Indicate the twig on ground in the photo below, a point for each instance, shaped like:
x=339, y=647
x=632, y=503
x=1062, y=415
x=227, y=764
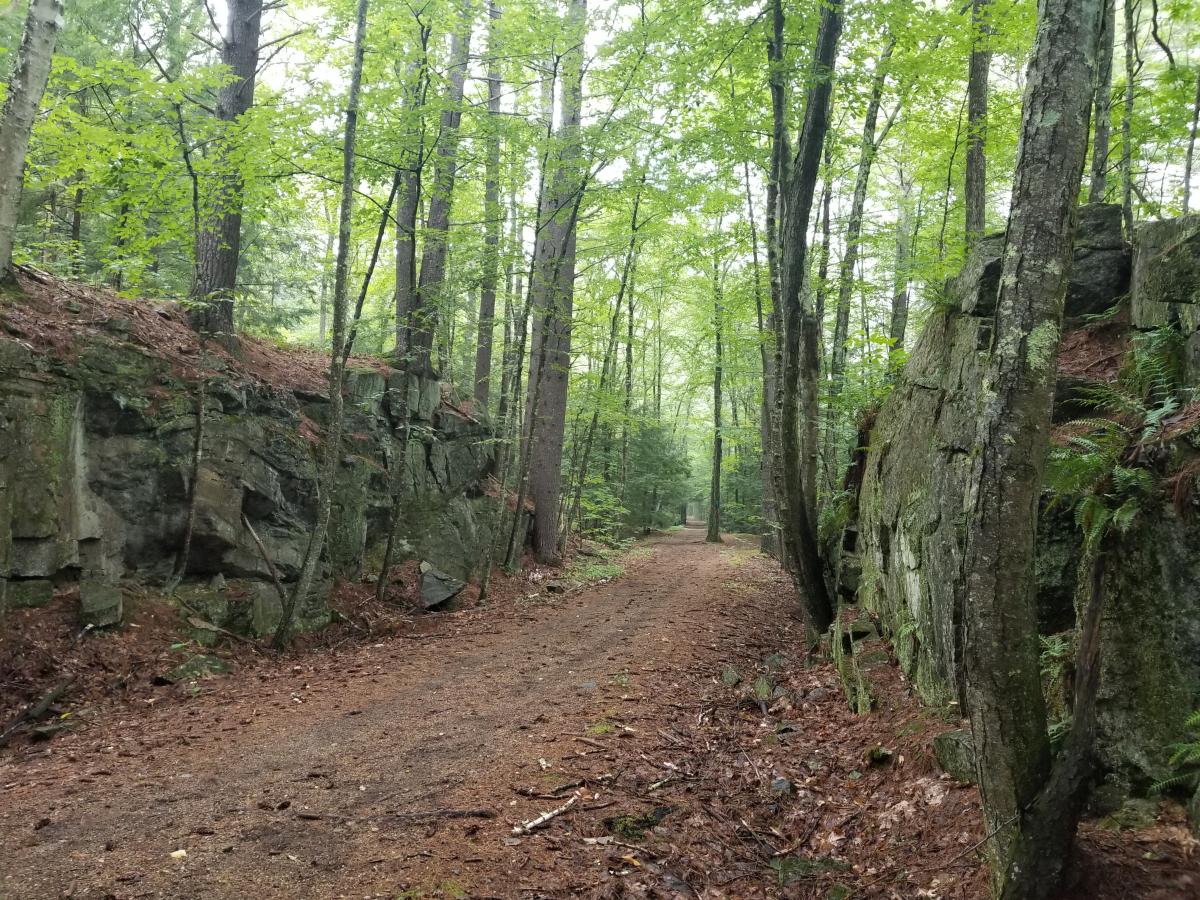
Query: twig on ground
x=34, y=711
x=533, y=824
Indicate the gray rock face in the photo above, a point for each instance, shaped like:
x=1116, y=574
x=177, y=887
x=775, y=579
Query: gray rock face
x=101, y=605
x=912, y=518
x=26, y=593
x=1099, y=273
x=438, y=587
x=1166, y=274
x=955, y=752
x=96, y=458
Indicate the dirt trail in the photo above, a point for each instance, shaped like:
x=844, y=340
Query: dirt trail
x=448, y=722
x=399, y=769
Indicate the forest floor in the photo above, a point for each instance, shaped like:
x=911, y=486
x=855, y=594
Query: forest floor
x=671, y=710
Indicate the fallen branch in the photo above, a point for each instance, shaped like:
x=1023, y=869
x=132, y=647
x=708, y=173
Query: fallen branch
x=34, y=711
x=532, y=824
x=266, y=559
x=205, y=625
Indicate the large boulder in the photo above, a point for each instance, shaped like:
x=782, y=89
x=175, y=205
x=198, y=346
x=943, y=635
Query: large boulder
x=1100, y=270
x=96, y=463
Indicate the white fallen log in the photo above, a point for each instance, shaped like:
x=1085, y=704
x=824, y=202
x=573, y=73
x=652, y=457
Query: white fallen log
x=533, y=824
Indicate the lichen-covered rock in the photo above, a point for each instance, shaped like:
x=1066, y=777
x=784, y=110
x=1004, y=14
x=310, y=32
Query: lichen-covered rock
x=96, y=452
x=101, y=605
x=438, y=587
x=913, y=507
x=1166, y=273
x=955, y=753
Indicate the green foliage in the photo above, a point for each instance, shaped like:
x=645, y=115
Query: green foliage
x=1099, y=468
x=1185, y=758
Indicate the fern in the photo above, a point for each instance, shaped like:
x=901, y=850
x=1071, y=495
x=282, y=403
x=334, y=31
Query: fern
x=1185, y=757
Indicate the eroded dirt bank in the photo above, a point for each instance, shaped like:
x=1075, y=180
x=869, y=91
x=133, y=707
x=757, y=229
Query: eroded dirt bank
x=401, y=768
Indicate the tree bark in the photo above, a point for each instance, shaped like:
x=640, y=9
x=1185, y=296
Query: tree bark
x=413, y=167
x=553, y=294
x=26, y=86
x=898, y=324
x=1191, y=148
x=1102, y=112
x=219, y=240
x=868, y=147
x=977, y=111
x=494, y=215
x=1000, y=649
x=426, y=302
x=798, y=184
x=331, y=449
x=1130, y=7
x=714, y=488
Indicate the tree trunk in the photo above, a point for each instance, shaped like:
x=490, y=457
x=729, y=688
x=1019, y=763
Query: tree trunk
x=1003, y=688
x=1102, y=114
x=714, y=488
x=977, y=110
x=331, y=449
x=26, y=86
x=425, y=311
x=841, y=330
x=1191, y=148
x=413, y=167
x=219, y=240
x=553, y=293
x=494, y=215
x=1130, y=7
x=798, y=185
x=904, y=241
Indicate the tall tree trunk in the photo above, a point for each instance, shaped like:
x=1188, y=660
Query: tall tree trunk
x=766, y=354
x=425, y=312
x=1102, y=110
x=494, y=215
x=627, y=406
x=331, y=449
x=977, y=111
x=799, y=324
x=326, y=271
x=553, y=293
x=413, y=167
x=714, y=487
x=1191, y=148
x=1003, y=688
x=1130, y=8
x=26, y=86
x=219, y=240
x=898, y=324
x=868, y=147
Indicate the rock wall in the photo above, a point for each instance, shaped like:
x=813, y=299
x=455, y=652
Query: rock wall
x=96, y=453
x=912, y=507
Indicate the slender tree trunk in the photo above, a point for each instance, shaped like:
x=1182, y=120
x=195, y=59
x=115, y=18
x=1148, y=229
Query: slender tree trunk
x=326, y=272
x=1102, y=110
x=898, y=325
x=1191, y=148
x=977, y=111
x=331, y=449
x=425, y=312
x=494, y=214
x=413, y=163
x=714, y=488
x=1003, y=687
x=868, y=147
x=554, y=291
x=219, y=240
x=1130, y=8
x=26, y=86
x=799, y=324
